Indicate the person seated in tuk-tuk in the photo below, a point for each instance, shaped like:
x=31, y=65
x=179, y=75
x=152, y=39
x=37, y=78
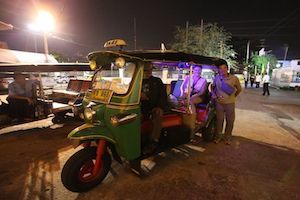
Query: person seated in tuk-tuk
x=153, y=100
x=198, y=86
x=21, y=97
x=197, y=91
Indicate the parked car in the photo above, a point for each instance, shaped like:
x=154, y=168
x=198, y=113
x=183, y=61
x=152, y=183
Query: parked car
x=64, y=79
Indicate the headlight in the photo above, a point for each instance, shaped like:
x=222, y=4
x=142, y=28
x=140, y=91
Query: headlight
x=93, y=64
x=88, y=114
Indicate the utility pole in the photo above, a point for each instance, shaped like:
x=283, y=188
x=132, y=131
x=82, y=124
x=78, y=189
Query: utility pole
x=201, y=32
x=134, y=30
x=221, y=49
x=248, y=51
x=186, y=34
x=286, y=51
x=247, y=61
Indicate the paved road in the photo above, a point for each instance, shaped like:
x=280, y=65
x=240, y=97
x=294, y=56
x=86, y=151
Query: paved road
x=280, y=110
x=262, y=163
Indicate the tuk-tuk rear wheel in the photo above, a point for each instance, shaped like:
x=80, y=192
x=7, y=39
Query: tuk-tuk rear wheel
x=77, y=172
x=209, y=133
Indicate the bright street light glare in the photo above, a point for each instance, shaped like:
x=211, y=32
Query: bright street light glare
x=45, y=21
x=33, y=27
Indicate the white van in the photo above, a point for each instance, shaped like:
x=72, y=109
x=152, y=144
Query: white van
x=287, y=77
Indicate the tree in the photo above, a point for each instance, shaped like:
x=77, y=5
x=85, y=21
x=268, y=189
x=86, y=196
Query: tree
x=59, y=57
x=212, y=41
x=260, y=62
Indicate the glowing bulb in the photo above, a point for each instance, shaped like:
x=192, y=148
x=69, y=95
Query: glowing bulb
x=45, y=21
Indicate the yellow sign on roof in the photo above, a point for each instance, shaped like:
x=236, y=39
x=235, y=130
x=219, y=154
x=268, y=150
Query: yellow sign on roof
x=115, y=43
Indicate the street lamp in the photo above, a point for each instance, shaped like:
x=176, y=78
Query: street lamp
x=44, y=23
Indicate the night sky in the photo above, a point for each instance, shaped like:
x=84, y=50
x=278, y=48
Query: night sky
x=83, y=26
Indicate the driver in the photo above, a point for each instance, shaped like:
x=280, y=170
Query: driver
x=153, y=100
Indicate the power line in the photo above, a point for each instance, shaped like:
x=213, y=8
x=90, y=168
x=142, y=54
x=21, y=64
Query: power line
x=245, y=21
x=262, y=27
x=262, y=35
x=276, y=26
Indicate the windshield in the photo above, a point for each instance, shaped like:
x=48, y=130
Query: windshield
x=116, y=79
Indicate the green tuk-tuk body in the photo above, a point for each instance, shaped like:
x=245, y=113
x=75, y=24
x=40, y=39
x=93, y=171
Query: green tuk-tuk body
x=108, y=108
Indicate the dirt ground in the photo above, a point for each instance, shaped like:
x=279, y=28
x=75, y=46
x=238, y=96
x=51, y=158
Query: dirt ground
x=263, y=161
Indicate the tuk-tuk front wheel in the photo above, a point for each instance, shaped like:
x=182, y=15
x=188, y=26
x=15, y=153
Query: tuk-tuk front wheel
x=77, y=174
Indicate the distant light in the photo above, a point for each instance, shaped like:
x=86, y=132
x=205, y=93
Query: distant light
x=45, y=21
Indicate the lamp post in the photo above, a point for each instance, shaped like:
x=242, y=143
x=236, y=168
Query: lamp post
x=46, y=46
x=45, y=24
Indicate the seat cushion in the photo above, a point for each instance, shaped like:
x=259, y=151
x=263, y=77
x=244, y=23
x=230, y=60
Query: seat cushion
x=175, y=88
x=74, y=85
x=169, y=120
x=85, y=86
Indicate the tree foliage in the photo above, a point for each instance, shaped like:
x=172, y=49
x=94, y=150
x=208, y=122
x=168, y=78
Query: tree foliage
x=59, y=57
x=261, y=62
x=212, y=41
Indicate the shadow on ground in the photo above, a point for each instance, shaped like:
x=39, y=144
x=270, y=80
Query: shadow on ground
x=244, y=170
x=29, y=160
x=31, y=164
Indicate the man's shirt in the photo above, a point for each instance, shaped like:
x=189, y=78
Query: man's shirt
x=266, y=79
x=232, y=81
x=15, y=89
x=156, y=93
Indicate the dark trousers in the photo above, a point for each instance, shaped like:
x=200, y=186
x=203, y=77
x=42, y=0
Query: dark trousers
x=266, y=89
x=257, y=84
x=19, y=108
x=226, y=111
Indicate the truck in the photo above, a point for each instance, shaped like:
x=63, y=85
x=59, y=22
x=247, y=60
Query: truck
x=288, y=76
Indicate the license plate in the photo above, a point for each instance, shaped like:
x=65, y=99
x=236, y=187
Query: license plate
x=102, y=95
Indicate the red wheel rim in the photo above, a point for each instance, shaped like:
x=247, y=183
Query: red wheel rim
x=86, y=171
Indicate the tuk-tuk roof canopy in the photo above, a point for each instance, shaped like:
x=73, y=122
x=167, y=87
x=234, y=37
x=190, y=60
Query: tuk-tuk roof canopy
x=162, y=57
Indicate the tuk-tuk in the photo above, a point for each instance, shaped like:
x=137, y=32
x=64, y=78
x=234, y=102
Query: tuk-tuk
x=114, y=126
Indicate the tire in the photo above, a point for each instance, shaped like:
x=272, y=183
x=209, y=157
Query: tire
x=58, y=119
x=209, y=133
x=72, y=175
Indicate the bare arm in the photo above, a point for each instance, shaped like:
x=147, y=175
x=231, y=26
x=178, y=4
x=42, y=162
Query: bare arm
x=182, y=87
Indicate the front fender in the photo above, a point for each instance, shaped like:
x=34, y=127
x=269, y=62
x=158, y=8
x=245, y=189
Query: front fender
x=90, y=132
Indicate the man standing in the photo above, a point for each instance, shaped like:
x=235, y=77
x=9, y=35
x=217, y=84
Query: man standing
x=252, y=79
x=257, y=80
x=226, y=87
x=153, y=100
x=266, y=80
